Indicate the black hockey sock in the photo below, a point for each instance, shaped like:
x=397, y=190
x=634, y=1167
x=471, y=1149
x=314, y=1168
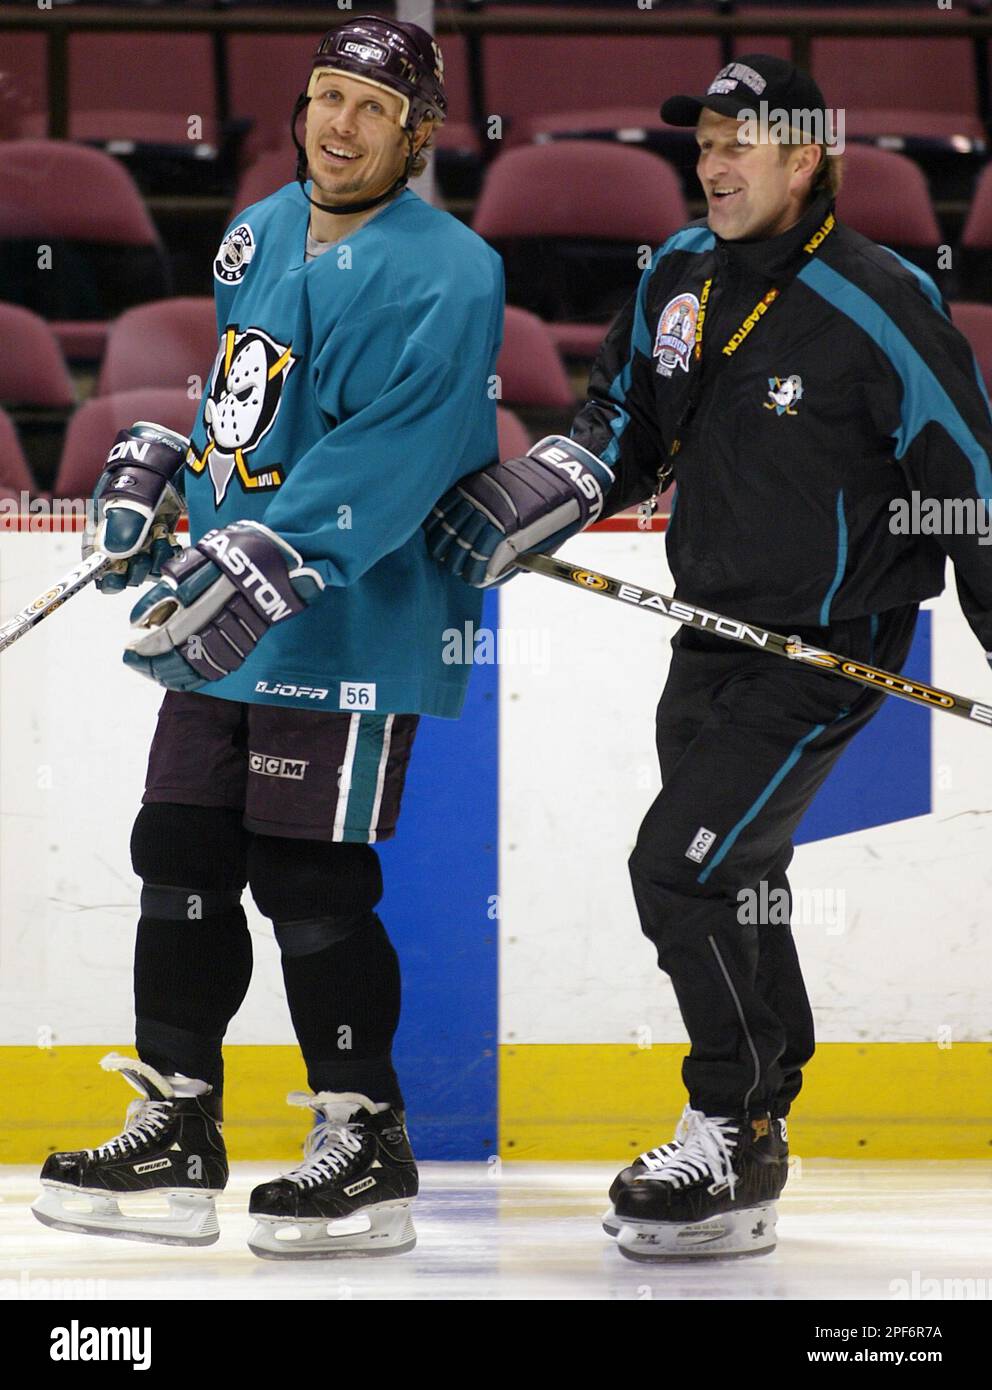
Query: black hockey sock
x=345, y=1004
x=190, y=979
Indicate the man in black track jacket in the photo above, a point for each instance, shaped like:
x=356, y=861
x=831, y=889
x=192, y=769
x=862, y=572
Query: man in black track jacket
x=799, y=384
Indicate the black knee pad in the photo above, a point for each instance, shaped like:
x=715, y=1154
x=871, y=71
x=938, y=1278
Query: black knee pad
x=304, y=880
x=192, y=860
x=309, y=935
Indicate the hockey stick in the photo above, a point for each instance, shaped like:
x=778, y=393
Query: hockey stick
x=791, y=647
x=84, y=573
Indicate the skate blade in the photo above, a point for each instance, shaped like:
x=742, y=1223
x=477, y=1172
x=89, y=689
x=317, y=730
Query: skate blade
x=386, y=1229
x=732, y=1235
x=611, y=1222
x=192, y=1218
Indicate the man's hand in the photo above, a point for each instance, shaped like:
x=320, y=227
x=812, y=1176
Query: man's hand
x=507, y=509
x=137, y=501
x=214, y=604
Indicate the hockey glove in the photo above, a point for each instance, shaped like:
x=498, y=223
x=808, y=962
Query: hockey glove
x=214, y=603
x=523, y=504
x=136, y=503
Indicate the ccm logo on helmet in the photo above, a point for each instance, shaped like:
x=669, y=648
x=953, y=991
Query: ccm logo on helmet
x=366, y=51
x=236, y=562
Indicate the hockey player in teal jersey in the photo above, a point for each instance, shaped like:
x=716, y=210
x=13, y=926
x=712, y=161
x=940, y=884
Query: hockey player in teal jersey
x=300, y=638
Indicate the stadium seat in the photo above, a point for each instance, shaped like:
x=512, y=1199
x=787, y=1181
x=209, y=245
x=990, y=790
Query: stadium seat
x=267, y=173
x=975, y=322
x=105, y=253
x=898, y=86
x=512, y=434
x=160, y=344
x=32, y=369
x=976, y=241
x=95, y=424
x=529, y=367
x=574, y=258
x=15, y=475
x=885, y=196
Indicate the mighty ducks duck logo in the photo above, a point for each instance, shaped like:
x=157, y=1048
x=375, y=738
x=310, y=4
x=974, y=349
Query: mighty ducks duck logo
x=246, y=386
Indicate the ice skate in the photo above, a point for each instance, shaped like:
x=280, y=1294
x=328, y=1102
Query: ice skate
x=353, y=1191
x=709, y=1194
x=171, y=1147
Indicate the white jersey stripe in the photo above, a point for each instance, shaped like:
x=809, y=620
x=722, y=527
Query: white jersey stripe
x=344, y=786
x=381, y=778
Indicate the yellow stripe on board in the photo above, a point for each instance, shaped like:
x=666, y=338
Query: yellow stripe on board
x=58, y=1098
x=610, y=1101
x=565, y=1101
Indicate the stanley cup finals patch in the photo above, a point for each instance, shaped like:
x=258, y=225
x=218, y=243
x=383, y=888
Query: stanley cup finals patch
x=676, y=333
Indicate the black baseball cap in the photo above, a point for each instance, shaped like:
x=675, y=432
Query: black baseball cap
x=745, y=82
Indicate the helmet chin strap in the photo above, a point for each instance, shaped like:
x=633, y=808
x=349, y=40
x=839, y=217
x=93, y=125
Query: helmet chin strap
x=343, y=209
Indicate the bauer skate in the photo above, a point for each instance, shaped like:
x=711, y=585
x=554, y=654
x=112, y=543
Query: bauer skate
x=353, y=1191
x=171, y=1146
x=710, y=1194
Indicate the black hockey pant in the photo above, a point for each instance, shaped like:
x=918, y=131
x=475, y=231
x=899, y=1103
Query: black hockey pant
x=745, y=740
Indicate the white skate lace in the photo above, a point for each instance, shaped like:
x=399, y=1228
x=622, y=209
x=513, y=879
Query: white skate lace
x=703, y=1148
x=143, y=1121
x=327, y=1150
x=655, y=1158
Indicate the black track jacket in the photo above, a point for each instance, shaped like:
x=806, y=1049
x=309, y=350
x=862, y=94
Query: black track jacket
x=851, y=389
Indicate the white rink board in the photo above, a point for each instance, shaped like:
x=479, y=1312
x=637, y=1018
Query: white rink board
x=75, y=726
x=578, y=770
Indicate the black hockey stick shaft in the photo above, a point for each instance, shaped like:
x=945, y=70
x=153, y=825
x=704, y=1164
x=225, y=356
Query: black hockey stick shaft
x=793, y=648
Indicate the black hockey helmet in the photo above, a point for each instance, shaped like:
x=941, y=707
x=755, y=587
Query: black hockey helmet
x=389, y=53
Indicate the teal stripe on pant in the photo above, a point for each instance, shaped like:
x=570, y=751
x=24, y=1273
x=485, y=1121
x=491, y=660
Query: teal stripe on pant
x=365, y=776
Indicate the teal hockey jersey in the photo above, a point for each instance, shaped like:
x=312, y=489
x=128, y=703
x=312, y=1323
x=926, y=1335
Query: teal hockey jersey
x=348, y=393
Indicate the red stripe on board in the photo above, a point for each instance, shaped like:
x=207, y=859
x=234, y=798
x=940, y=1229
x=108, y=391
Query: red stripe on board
x=47, y=522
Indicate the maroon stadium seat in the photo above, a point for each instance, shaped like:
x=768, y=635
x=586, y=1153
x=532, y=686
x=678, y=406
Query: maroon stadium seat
x=900, y=86
x=512, y=434
x=15, y=475
x=530, y=370
x=885, y=197
x=134, y=87
x=572, y=258
x=975, y=322
x=106, y=253
x=267, y=173
x=977, y=235
x=93, y=427
x=531, y=77
x=32, y=368
x=160, y=344
x=600, y=190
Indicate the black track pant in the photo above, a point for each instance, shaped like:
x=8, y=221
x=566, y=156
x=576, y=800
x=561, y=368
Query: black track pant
x=745, y=740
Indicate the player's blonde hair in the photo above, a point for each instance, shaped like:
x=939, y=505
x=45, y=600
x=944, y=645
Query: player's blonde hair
x=828, y=174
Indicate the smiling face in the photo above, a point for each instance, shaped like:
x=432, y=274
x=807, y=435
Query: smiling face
x=752, y=190
x=355, y=143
